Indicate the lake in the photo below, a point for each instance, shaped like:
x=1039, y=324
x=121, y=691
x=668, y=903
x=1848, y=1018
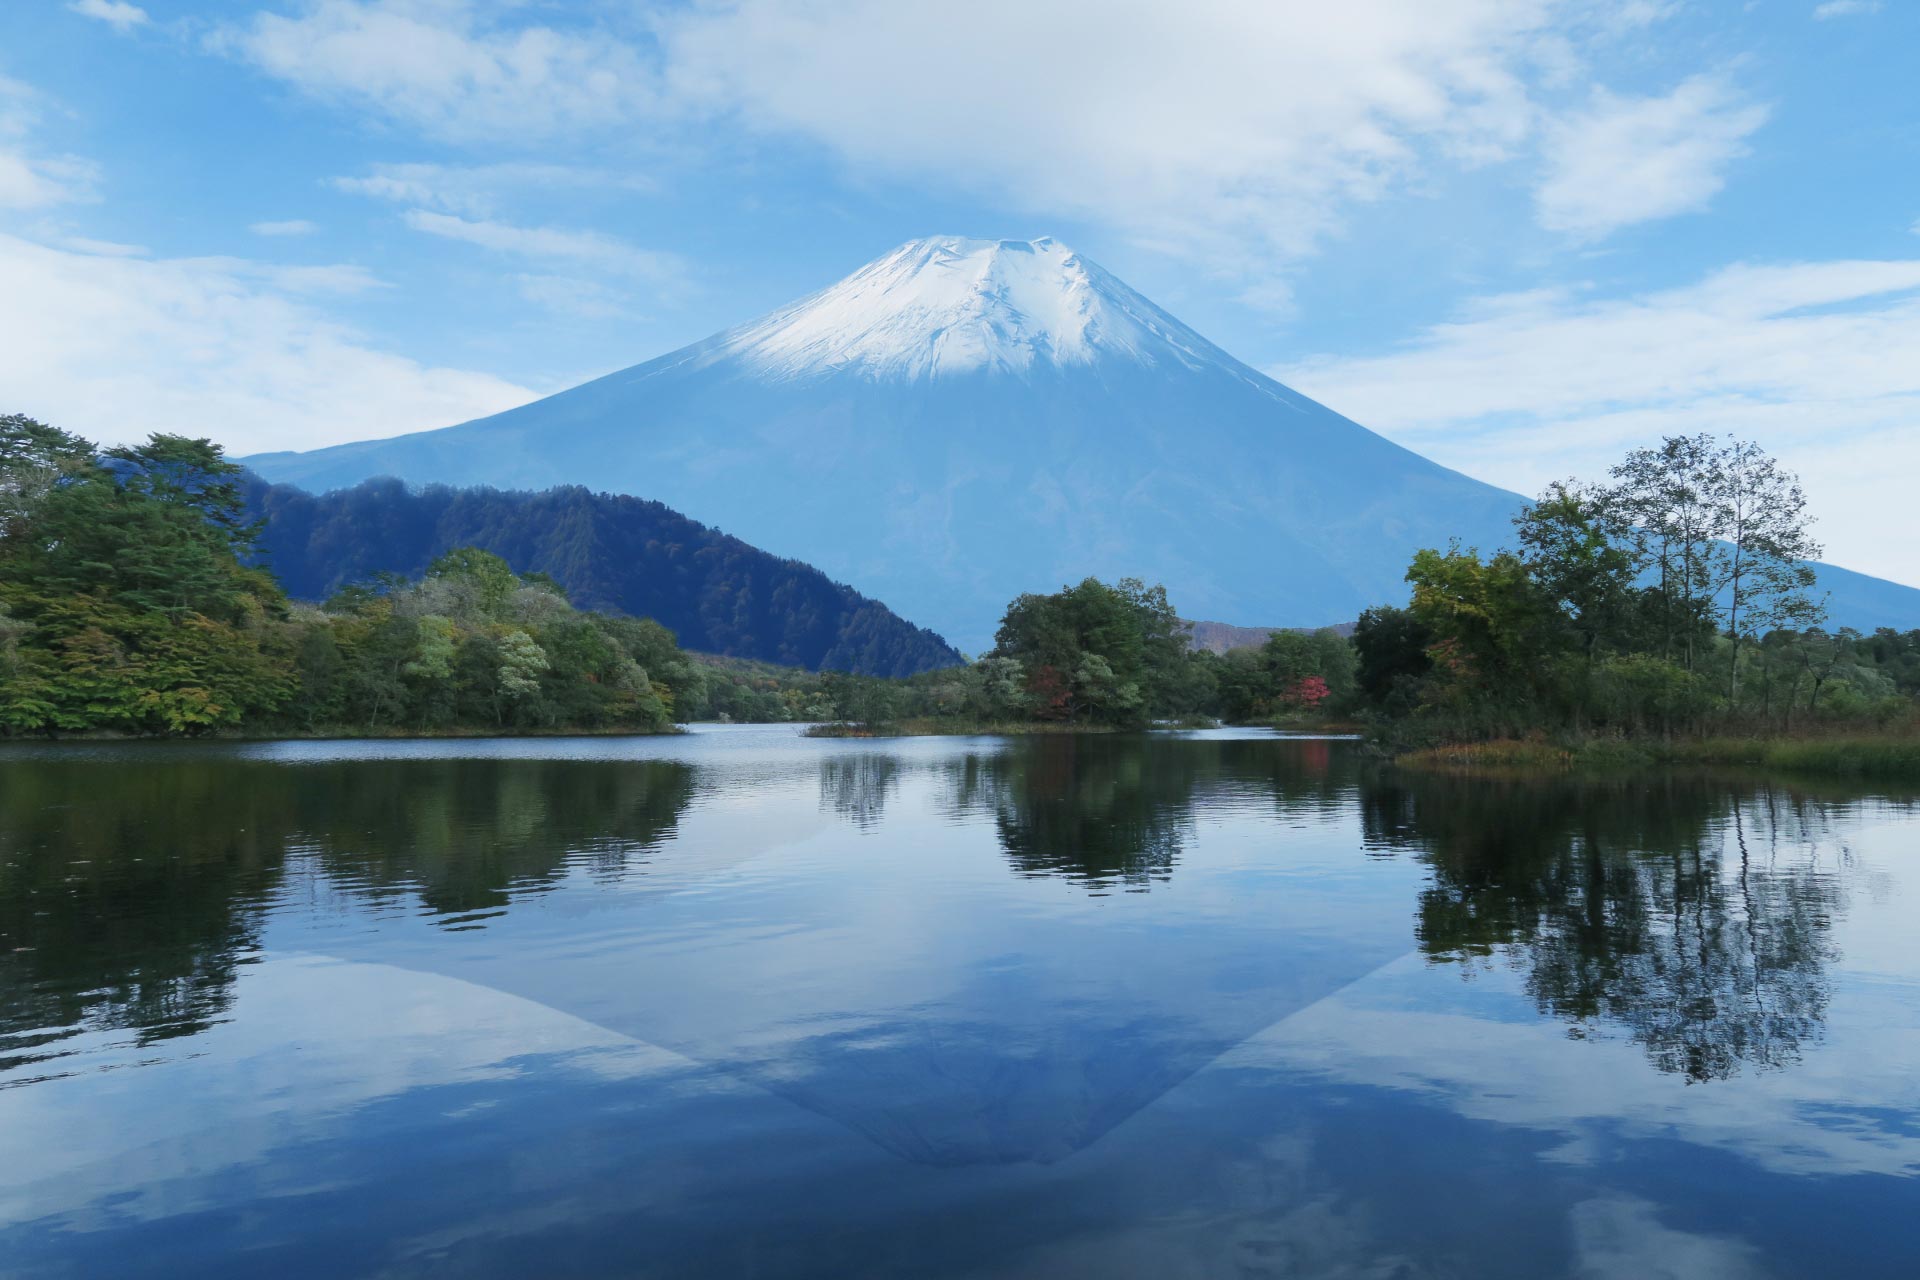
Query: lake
x=744, y=1003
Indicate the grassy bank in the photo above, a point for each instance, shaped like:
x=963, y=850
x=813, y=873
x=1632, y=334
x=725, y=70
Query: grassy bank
x=1880, y=756
x=1530, y=754
x=1889, y=756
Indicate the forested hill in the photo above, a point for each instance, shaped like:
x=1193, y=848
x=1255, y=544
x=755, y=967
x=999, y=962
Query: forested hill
x=610, y=553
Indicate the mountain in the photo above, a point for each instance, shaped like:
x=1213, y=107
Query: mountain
x=1224, y=637
x=964, y=420
x=625, y=555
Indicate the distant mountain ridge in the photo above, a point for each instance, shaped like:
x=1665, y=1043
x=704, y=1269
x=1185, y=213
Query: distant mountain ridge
x=1224, y=637
x=963, y=420
x=627, y=555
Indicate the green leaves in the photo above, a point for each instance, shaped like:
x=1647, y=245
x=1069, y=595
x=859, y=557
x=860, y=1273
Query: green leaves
x=1110, y=654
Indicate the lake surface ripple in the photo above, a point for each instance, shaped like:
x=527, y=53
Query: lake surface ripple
x=744, y=1003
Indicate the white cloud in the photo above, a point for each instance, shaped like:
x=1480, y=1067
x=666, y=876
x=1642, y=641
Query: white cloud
x=1846, y=8
x=291, y=227
x=1232, y=129
x=28, y=179
x=1628, y=160
x=114, y=347
x=478, y=190
x=584, y=248
x=1622, y=1238
x=446, y=67
x=119, y=15
x=1819, y=361
x=103, y=248
x=1228, y=127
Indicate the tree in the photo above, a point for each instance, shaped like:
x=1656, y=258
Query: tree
x=181, y=471
x=1390, y=649
x=1761, y=513
x=1111, y=654
x=1582, y=557
x=1726, y=527
x=156, y=527
x=1665, y=496
x=485, y=581
x=34, y=457
x=521, y=662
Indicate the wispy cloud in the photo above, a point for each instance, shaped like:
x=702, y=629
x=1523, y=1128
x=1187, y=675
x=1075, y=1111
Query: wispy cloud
x=291, y=227
x=1820, y=361
x=588, y=248
x=118, y=14
x=29, y=177
x=115, y=346
x=1629, y=160
x=1221, y=130
x=103, y=248
x=452, y=68
x=479, y=190
x=1846, y=8
x=1217, y=129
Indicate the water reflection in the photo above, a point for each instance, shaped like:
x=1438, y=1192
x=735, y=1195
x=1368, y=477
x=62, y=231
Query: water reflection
x=856, y=786
x=1102, y=1005
x=1110, y=811
x=1103, y=811
x=130, y=894
x=1691, y=913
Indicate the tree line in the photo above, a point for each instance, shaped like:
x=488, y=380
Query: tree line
x=130, y=603
x=1673, y=598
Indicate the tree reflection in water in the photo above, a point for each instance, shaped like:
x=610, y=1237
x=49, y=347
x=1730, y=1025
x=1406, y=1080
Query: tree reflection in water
x=1104, y=811
x=131, y=893
x=1115, y=811
x=1692, y=913
x=856, y=786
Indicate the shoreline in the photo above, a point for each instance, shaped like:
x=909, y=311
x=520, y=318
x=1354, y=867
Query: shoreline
x=1866, y=756
x=338, y=734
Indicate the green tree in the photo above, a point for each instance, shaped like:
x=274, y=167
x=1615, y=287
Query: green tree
x=1584, y=560
x=1391, y=657
x=35, y=457
x=1108, y=654
x=487, y=581
x=1494, y=633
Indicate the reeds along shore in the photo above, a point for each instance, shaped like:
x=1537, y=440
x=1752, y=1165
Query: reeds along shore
x=1885, y=756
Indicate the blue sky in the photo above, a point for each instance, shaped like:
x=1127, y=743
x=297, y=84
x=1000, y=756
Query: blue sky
x=1520, y=236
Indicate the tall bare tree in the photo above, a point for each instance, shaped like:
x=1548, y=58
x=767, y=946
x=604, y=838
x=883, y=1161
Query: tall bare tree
x=1759, y=567
x=1665, y=495
x=1726, y=529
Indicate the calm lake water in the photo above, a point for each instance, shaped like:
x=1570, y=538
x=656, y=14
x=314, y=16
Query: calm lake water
x=748, y=1004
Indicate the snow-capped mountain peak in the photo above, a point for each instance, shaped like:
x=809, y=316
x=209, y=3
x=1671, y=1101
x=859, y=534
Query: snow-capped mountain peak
x=964, y=420
x=949, y=305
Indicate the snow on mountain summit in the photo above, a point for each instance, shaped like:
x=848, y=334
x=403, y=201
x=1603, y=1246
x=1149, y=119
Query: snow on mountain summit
x=949, y=305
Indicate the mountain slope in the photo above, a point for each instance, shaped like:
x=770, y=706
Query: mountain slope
x=716, y=593
x=963, y=420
